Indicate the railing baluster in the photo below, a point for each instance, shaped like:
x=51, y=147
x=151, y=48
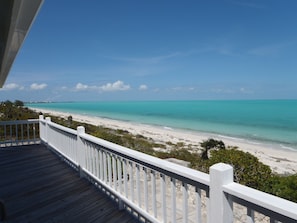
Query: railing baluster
x=109, y=170
x=66, y=143
x=5, y=135
x=163, y=194
x=207, y=206
x=92, y=150
x=120, y=175
x=114, y=172
x=10, y=134
x=22, y=133
x=131, y=179
x=87, y=158
x=34, y=132
x=173, y=200
x=154, y=200
x=250, y=215
x=138, y=185
x=198, y=204
x=101, y=165
x=28, y=131
x=16, y=134
x=125, y=177
x=97, y=163
x=93, y=159
x=105, y=166
x=145, y=183
x=185, y=202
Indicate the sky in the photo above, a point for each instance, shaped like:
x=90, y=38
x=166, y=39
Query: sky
x=89, y=50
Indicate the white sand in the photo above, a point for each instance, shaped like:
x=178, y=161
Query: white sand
x=280, y=160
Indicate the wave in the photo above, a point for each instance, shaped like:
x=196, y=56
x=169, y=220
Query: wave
x=167, y=128
x=287, y=147
x=231, y=138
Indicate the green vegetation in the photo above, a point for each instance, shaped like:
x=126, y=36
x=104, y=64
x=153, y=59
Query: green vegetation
x=15, y=111
x=285, y=187
x=248, y=170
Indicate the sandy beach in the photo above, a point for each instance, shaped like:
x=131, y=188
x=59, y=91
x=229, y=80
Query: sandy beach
x=280, y=160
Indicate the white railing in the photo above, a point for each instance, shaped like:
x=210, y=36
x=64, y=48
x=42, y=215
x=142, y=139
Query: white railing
x=156, y=190
x=19, y=132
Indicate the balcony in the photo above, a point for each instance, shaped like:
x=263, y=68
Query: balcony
x=50, y=173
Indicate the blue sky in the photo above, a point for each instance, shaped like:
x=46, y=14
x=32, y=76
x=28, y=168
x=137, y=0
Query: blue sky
x=158, y=50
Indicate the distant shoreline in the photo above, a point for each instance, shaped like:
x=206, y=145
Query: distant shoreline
x=282, y=161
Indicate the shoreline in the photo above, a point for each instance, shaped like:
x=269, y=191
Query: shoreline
x=281, y=160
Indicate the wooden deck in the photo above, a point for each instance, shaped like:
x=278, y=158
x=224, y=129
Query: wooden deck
x=36, y=186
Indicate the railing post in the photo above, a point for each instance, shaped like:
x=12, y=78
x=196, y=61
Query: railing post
x=47, y=120
x=221, y=210
x=80, y=150
x=41, y=129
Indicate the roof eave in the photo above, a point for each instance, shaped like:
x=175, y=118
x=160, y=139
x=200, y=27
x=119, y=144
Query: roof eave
x=20, y=19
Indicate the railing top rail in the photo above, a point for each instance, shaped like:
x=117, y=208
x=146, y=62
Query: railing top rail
x=65, y=129
x=33, y=120
x=171, y=169
x=264, y=200
x=13, y=122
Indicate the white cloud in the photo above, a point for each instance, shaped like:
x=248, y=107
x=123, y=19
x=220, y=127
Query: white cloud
x=223, y=90
x=146, y=60
x=81, y=87
x=36, y=86
x=116, y=86
x=143, y=87
x=183, y=88
x=270, y=50
x=245, y=91
x=12, y=86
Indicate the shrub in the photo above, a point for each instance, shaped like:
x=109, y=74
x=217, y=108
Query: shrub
x=285, y=187
x=248, y=170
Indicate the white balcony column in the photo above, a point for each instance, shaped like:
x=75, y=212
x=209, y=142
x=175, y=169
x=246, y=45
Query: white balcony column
x=47, y=120
x=80, y=150
x=221, y=210
x=41, y=128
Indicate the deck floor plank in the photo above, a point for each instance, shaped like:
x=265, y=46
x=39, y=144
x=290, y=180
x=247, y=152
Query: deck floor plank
x=37, y=186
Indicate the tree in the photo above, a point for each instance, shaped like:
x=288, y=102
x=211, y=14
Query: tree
x=8, y=103
x=19, y=103
x=69, y=120
x=209, y=144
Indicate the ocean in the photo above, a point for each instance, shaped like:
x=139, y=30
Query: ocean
x=271, y=121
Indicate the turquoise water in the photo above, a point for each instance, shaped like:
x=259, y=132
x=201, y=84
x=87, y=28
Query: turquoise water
x=273, y=121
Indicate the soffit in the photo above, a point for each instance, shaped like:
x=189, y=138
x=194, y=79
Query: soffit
x=16, y=18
